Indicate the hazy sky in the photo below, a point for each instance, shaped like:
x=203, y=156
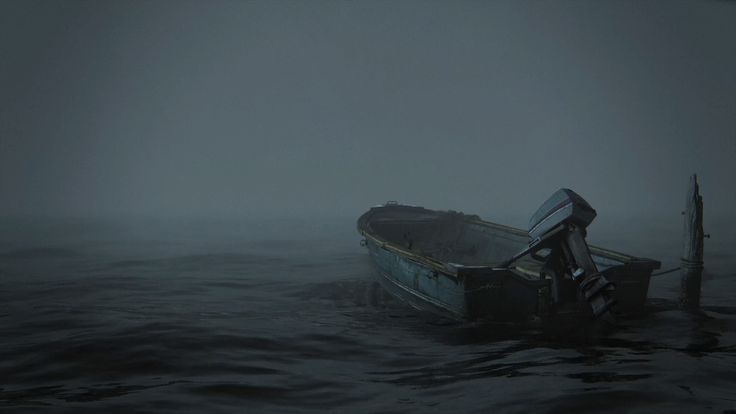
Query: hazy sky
x=228, y=108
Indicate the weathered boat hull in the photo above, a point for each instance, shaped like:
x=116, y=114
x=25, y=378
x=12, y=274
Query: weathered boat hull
x=477, y=290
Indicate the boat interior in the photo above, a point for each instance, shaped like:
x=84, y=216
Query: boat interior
x=450, y=238
x=456, y=238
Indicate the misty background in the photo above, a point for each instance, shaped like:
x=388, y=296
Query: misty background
x=265, y=109
x=180, y=181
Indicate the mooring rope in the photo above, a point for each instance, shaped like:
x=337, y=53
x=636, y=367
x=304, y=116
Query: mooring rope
x=664, y=272
x=684, y=264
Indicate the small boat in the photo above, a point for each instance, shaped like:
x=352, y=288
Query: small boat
x=463, y=267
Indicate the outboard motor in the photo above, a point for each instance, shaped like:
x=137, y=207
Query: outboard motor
x=559, y=225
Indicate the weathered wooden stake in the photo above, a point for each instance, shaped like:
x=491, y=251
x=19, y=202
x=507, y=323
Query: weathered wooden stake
x=692, y=247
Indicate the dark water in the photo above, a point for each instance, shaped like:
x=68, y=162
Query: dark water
x=282, y=316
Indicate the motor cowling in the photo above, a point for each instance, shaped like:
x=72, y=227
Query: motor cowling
x=563, y=207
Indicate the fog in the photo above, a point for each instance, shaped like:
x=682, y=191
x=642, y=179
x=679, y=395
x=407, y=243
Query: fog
x=262, y=109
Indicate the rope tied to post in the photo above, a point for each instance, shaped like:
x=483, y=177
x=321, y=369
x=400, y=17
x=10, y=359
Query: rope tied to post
x=691, y=264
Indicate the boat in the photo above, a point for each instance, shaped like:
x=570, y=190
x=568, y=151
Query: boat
x=466, y=268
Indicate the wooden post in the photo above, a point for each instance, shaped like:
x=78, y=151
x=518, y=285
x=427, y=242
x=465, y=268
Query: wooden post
x=692, y=247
